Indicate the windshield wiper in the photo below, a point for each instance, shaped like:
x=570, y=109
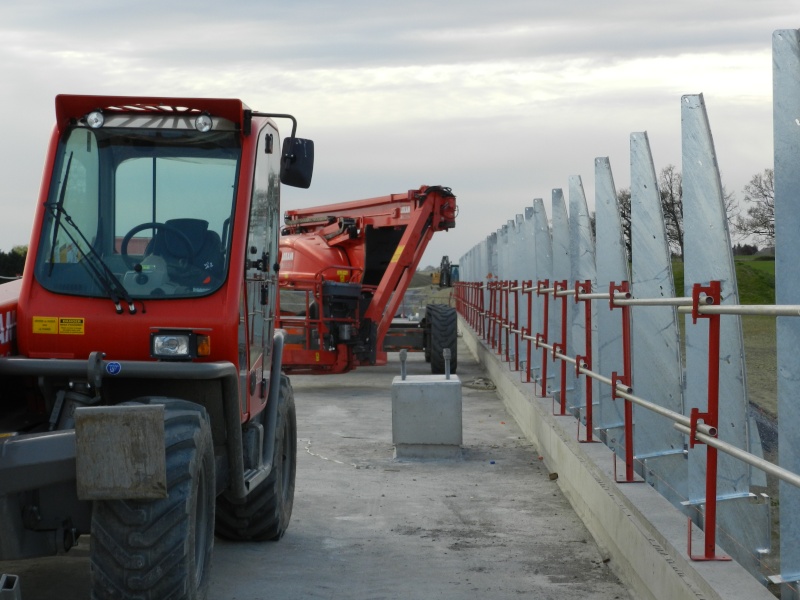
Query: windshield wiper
x=104, y=275
x=57, y=215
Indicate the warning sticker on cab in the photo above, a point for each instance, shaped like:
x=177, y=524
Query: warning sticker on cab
x=45, y=325
x=71, y=325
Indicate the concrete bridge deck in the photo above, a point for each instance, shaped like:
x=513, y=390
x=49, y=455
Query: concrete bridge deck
x=365, y=526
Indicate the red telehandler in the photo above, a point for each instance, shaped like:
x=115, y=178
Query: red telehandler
x=344, y=269
x=142, y=398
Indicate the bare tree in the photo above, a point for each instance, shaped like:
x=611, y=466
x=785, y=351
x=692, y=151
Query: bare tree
x=731, y=205
x=760, y=220
x=670, y=184
x=624, y=204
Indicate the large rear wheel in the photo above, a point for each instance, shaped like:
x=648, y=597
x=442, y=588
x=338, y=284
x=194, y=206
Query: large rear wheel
x=265, y=513
x=162, y=548
x=443, y=324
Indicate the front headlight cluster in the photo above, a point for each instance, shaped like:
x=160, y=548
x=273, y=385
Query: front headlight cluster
x=179, y=345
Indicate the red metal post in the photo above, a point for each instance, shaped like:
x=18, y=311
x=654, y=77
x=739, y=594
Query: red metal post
x=557, y=287
x=492, y=315
x=506, y=320
x=527, y=289
x=477, y=318
x=626, y=377
x=470, y=303
x=515, y=325
x=710, y=418
x=499, y=304
x=543, y=285
x=477, y=298
x=586, y=288
x=483, y=307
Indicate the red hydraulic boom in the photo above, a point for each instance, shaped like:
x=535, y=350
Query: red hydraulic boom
x=344, y=269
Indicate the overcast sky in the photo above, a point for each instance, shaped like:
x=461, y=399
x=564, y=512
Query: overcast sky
x=500, y=100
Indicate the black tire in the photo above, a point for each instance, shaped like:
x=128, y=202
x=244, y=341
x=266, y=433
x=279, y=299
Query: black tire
x=426, y=334
x=265, y=513
x=162, y=548
x=443, y=324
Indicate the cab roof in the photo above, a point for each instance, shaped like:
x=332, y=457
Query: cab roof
x=74, y=107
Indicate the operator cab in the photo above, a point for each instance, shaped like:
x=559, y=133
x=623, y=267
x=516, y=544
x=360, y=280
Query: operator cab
x=140, y=207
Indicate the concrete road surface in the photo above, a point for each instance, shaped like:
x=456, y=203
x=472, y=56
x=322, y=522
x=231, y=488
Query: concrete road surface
x=492, y=525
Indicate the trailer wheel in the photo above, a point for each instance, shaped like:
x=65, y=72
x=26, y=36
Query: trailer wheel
x=443, y=324
x=265, y=513
x=162, y=548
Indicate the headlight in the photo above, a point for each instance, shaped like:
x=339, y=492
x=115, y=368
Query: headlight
x=203, y=123
x=179, y=344
x=171, y=345
x=95, y=119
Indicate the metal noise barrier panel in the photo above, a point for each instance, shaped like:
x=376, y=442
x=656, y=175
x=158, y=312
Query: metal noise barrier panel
x=599, y=331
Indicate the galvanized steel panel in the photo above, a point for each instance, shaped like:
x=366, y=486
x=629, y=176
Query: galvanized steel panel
x=562, y=271
x=544, y=268
x=493, y=267
x=786, y=135
x=657, y=372
x=582, y=253
x=528, y=270
x=612, y=266
x=709, y=256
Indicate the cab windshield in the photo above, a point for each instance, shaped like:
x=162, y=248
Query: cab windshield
x=139, y=213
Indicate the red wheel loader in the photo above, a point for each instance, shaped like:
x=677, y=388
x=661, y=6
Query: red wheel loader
x=142, y=398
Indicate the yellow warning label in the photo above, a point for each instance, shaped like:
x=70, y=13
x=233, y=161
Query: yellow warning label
x=45, y=325
x=317, y=356
x=397, y=253
x=70, y=325
x=342, y=275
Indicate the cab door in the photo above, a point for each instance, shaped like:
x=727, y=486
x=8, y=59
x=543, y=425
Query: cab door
x=259, y=297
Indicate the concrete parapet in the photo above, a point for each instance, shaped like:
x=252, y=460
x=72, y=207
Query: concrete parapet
x=426, y=417
x=644, y=536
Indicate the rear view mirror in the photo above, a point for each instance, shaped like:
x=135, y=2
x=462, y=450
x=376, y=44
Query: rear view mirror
x=297, y=162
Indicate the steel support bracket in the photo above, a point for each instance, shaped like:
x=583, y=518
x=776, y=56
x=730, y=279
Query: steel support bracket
x=580, y=362
x=582, y=287
x=710, y=294
x=695, y=415
x=623, y=288
x=615, y=379
x=539, y=339
x=542, y=284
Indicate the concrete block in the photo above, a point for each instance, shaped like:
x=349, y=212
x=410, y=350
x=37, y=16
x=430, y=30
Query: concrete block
x=9, y=587
x=426, y=416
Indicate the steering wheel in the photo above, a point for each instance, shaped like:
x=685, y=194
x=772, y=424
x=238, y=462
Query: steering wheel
x=131, y=264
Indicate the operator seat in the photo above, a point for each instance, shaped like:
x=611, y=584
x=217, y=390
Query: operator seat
x=196, y=266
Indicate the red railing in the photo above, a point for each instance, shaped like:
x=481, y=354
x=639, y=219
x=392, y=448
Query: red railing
x=496, y=325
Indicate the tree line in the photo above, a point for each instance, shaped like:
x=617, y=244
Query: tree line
x=12, y=263
x=757, y=223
